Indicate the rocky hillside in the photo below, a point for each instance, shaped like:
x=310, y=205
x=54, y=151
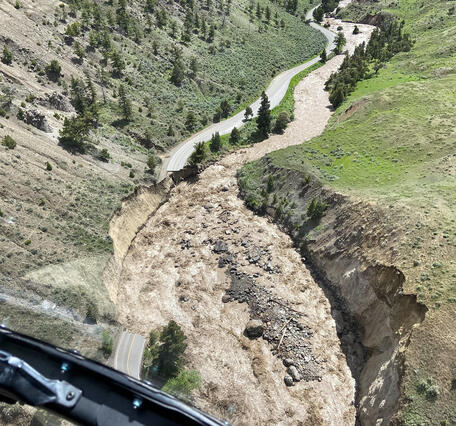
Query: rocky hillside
x=91, y=93
x=371, y=205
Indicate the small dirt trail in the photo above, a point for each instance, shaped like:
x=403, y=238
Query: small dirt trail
x=177, y=266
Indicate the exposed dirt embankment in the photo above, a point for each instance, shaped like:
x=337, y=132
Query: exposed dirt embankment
x=127, y=222
x=353, y=254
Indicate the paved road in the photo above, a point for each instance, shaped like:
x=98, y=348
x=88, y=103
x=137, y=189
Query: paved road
x=129, y=352
x=177, y=158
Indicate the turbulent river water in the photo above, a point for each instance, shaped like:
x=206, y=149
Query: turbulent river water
x=183, y=260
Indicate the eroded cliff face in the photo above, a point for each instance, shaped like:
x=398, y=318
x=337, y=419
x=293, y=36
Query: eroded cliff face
x=353, y=253
x=127, y=222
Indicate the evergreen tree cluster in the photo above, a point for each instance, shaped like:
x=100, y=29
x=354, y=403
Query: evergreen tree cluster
x=384, y=43
x=165, y=351
x=326, y=6
x=75, y=131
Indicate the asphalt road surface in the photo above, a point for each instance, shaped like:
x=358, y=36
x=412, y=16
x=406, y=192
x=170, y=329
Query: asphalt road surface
x=129, y=352
x=178, y=157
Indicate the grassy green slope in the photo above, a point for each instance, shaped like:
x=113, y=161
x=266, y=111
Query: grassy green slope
x=392, y=142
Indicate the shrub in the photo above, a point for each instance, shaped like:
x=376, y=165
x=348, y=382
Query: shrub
x=20, y=114
x=73, y=30
x=9, y=142
x=92, y=312
x=107, y=343
x=433, y=392
x=182, y=385
x=356, y=30
x=28, y=242
x=7, y=57
x=48, y=166
x=151, y=162
x=53, y=69
x=104, y=155
x=281, y=123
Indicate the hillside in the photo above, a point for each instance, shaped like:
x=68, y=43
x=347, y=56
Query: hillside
x=139, y=77
x=384, y=172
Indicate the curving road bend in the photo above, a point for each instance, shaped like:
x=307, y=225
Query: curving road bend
x=177, y=157
x=128, y=354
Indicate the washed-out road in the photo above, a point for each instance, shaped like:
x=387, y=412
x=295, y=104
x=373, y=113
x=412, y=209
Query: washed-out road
x=130, y=347
x=177, y=157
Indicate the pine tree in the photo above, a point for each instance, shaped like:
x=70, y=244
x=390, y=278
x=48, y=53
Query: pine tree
x=117, y=62
x=170, y=131
x=125, y=104
x=194, y=67
x=198, y=155
x=340, y=42
x=171, y=350
x=318, y=14
x=178, y=73
x=188, y=27
x=258, y=11
x=268, y=14
x=235, y=136
x=264, y=116
x=74, y=134
x=190, y=121
x=225, y=108
x=248, y=113
x=211, y=35
x=215, y=143
x=337, y=96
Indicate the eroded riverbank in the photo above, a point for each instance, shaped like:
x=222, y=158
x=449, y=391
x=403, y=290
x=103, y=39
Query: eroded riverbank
x=172, y=271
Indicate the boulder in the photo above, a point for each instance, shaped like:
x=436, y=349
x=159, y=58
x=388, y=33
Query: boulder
x=294, y=373
x=254, y=329
x=287, y=362
x=38, y=120
x=58, y=101
x=288, y=380
x=220, y=246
